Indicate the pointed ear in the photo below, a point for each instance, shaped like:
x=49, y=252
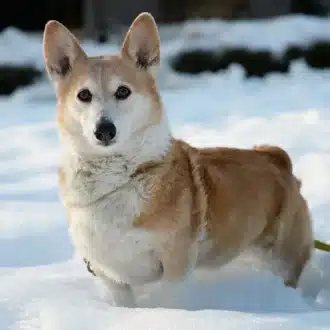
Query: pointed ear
x=61, y=51
x=142, y=44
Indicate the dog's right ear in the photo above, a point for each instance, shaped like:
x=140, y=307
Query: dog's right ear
x=61, y=51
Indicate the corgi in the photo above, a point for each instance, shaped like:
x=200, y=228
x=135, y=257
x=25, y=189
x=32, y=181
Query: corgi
x=143, y=206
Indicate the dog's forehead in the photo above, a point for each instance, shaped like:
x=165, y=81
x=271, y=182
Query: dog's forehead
x=112, y=70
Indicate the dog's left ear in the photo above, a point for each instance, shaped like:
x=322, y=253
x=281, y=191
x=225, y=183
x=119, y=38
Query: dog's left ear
x=142, y=44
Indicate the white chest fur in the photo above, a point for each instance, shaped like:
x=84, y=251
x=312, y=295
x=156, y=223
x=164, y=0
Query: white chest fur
x=103, y=201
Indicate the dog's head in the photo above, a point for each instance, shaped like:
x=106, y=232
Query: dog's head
x=106, y=103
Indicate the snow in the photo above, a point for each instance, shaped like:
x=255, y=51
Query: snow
x=44, y=285
x=258, y=34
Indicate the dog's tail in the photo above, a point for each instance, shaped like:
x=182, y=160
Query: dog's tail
x=278, y=157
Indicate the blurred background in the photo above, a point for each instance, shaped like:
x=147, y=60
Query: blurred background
x=96, y=16
x=103, y=21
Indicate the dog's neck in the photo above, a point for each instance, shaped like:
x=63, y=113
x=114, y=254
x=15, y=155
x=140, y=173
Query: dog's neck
x=90, y=178
x=152, y=145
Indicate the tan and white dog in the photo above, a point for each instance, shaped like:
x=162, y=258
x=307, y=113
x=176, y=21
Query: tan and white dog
x=138, y=200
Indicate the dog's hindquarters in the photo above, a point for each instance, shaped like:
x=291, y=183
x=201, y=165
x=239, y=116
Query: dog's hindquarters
x=292, y=246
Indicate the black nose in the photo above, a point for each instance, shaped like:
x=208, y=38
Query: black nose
x=105, y=131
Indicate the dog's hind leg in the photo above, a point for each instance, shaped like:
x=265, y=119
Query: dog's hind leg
x=294, y=247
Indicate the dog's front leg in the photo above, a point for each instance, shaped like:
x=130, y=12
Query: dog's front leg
x=118, y=294
x=178, y=256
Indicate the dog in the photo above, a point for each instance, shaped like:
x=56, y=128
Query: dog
x=143, y=206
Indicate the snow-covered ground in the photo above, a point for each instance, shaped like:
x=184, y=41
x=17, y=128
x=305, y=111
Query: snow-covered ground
x=44, y=286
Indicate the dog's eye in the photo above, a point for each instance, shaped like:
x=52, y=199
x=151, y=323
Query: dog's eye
x=85, y=95
x=122, y=93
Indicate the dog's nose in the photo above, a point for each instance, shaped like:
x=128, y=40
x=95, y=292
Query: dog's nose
x=105, y=131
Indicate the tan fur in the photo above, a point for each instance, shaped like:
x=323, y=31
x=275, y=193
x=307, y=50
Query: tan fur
x=240, y=198
x=278, y=155
x=197, y=207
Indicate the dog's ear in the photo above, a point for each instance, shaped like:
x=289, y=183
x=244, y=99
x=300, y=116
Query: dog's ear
x=142, y=44
x=61, y=51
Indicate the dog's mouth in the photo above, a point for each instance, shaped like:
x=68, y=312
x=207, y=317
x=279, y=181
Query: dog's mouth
x=106, y=144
